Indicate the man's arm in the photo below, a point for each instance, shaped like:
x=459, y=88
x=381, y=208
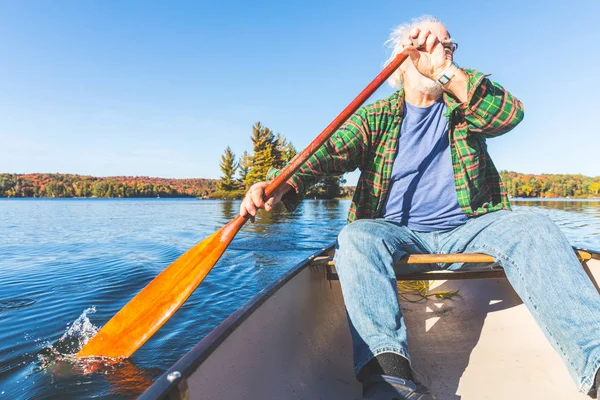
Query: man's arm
x=457, y=86
x=489, y=109
x=343, y=152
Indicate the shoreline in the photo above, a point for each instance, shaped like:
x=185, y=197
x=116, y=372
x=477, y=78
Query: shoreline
x=335, y=198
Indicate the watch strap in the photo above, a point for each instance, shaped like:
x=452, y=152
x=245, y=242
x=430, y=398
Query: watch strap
x=448, y=74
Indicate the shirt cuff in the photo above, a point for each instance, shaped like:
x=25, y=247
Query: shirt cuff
x=292, y=198
x=475, y=80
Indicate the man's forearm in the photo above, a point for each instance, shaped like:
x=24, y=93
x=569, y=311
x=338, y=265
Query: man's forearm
x=457, y=86
x=489, y=108
x=285, y=188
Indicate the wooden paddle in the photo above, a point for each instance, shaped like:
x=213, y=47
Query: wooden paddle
x=139, y=319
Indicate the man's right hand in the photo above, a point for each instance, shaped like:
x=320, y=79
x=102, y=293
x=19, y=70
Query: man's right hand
x=255, y=199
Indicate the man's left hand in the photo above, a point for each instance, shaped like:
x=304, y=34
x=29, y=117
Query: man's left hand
x=430, y=57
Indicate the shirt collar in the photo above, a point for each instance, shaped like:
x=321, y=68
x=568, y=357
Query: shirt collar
x=398, y=104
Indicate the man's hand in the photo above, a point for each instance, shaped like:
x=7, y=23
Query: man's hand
x=431, y=56
x=255, y=199
x=428, y=53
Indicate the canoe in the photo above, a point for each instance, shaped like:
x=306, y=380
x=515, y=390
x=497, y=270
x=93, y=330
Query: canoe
x=291, y=341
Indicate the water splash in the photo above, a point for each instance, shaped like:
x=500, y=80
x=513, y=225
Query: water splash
x=75, y=337
x=59, y=359
x=55, y=364
x=78, y=334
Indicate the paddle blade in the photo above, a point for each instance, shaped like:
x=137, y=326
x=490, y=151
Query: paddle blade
x=139, y=319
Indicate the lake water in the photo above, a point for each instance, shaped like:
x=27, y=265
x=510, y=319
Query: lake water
x=61, y=260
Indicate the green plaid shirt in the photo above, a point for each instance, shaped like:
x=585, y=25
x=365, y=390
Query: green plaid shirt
x=369, y=141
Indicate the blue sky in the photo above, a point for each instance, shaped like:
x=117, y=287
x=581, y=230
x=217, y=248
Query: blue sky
x=161, y=88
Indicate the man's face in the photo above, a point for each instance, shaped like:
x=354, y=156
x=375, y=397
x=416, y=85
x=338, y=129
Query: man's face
x=412, y=77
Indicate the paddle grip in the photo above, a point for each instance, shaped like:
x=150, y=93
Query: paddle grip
x=301, y=158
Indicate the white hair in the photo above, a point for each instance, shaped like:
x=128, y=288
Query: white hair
x=399, y=33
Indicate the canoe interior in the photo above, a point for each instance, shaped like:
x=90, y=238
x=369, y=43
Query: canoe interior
x=292, y=342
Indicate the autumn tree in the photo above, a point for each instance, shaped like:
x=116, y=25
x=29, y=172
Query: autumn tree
x=228, y=168
x=67, y=185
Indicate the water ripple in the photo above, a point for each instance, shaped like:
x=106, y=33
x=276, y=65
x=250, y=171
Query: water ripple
x=60, y=257
x=12, y=304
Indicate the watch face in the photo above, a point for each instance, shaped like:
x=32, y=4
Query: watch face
x=443, y=80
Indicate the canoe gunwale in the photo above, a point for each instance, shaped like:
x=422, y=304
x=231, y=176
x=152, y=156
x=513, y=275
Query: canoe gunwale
x=594, y=253
x=163, y=388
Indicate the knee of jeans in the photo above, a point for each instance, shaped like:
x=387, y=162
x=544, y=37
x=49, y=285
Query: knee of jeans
x=535, y=229
x=353, y=232
x=354, y=236
x=536, y=223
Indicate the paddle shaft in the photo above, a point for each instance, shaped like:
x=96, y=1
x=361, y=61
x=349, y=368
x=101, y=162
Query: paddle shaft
x=301, y=158
x=333, y=126
x=147, y=311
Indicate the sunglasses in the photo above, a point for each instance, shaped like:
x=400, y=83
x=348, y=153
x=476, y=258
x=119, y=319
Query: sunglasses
x=450, y=45
x=447, y=44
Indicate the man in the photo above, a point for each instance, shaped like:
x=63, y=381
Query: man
x=428, y=185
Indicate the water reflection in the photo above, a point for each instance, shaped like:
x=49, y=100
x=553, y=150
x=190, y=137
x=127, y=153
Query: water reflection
x=578, y=219
x=264, y=221
x=122, y=379
x=229, y=209
x=129, y=380
x=588, y=206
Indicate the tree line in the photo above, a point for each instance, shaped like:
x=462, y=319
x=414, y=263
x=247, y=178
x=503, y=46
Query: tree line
x=550, y=185
x=68, y=185
x=269, y=150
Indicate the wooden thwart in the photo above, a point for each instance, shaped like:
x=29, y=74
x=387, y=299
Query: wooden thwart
x=489, y=273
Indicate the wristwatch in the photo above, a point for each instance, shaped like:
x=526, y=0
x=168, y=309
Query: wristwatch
x=448, y=74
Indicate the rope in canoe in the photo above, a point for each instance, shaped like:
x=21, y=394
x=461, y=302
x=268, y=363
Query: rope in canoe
x=417, y=291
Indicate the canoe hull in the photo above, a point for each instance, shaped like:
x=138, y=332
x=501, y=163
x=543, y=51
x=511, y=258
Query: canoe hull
x=292, y=342
x=280, y=345
x=279, y=353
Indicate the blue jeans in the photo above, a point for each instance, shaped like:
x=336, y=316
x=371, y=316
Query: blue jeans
x=539, y=262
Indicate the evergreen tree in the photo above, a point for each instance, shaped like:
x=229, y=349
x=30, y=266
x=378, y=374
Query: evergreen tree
x=285, y=151
x=328, y=188
x=228, y=168
x=278, y=148
x=245, y=164
x=265, y=153
x=289, y=152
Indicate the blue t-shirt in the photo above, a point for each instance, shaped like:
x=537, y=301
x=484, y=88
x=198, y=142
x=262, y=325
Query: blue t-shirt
x=422, y=194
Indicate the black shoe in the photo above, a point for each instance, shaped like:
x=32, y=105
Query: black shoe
x=385, y=387
x=595, y=390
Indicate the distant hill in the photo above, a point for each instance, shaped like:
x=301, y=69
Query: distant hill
x=67, y=185
x=550, y=185
x=540, y=185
